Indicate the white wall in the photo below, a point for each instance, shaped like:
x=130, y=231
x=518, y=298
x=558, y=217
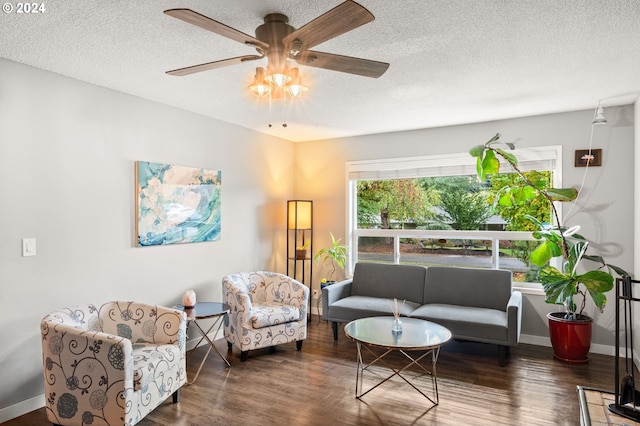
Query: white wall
x=67, y=153
x=605, y=209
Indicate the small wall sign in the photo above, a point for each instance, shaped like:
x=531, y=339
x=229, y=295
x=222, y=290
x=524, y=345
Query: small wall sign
x=588, y=157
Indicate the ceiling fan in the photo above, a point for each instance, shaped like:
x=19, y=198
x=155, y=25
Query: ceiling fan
x=279, y=41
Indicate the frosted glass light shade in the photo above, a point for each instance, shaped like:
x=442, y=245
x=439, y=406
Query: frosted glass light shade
x=260, y=87
x=299, y=214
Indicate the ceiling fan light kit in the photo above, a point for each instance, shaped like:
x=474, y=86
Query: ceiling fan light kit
x=282, y=43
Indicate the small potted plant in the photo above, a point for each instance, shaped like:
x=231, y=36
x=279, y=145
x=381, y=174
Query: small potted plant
x=570, y=331
x=301, y=251
x=335, y=255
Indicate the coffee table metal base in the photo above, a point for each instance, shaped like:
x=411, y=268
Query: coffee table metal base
x=401, y=373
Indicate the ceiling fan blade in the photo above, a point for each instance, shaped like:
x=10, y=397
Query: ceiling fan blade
x=348, y=64
x=213, y=65
x=194, y=18
x=339, y=20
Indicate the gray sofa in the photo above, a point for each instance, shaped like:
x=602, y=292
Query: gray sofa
x=474, y=304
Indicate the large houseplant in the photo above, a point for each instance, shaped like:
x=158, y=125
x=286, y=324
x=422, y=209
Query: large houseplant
x=335, y=255
x=570, y=331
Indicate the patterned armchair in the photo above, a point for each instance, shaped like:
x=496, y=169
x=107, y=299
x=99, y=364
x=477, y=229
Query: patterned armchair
x=265, y=309
x=111, y=364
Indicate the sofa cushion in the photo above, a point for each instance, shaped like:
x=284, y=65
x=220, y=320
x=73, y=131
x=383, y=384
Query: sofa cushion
x=484, y=288
x=404, y=282
x=151, y=361
x=267, y=314
x=466, y=322
x=354, y=307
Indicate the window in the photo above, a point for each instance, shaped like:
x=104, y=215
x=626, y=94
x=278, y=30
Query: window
x=413, y=235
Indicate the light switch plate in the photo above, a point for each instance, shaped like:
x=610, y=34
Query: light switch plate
x=28, y=247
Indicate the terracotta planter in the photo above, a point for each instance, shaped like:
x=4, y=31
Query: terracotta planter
x=571, y=340
x=301, y=254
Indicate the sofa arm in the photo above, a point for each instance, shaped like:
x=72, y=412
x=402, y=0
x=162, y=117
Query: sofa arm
x=514, y=317
x=332, y=293
x=83, y=370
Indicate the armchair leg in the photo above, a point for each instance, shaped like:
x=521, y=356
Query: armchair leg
x=299, y=344
x=176, y=396
x=244, y=355
x=503, y=355
x=334, y=325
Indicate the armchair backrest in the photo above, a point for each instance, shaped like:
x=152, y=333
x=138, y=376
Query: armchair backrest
x=82, y=317
x=264, y=287
x=142, y=323
x=138, y=322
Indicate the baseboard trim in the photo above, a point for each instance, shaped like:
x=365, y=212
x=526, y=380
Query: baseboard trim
x=21, y=408
x=595, y=347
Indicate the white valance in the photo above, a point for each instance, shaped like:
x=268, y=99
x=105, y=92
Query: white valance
x=460, y=164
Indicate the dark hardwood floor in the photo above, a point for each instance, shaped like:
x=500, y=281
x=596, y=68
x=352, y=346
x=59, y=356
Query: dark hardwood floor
x=317, y=387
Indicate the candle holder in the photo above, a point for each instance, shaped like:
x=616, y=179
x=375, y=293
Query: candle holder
x=189, y=299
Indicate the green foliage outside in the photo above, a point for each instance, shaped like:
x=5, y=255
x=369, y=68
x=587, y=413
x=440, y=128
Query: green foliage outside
x=399, y=200
x=458, y=203
x=515, y=214
x=452, y=202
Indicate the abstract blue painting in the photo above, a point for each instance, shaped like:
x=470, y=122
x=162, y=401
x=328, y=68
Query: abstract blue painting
x=176, y=204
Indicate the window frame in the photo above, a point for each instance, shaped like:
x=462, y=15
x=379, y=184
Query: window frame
x=455, y=164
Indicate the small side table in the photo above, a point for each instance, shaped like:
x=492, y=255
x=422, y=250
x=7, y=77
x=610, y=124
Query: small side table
x=202, y=311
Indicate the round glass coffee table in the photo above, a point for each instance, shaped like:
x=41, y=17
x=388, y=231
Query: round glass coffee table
x=375, y=335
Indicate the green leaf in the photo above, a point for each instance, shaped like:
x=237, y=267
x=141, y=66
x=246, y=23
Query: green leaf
x=535, y=220
x=477, y=151
x=479, y=170
x=490, y=163
x=508, y=156
x=599, y=299
x=597, y=283
x=563, y=194
x=542, y=254
x=493, y=139
x=559, y=288
x=506, y=200
x=618, y=270
x=594, y=258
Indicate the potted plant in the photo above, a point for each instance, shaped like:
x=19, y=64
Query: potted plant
x=570, y=331
x=301, y=251
x=335, y=255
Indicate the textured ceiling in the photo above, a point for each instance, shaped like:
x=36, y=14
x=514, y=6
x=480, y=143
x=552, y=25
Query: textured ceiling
x=452, y=61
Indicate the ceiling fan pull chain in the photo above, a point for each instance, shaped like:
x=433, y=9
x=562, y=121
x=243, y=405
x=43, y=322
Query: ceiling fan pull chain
x=284, y=114
x=270, y=109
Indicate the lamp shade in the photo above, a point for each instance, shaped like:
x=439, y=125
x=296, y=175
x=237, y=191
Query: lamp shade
x=299, y=214
x=599, y=116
